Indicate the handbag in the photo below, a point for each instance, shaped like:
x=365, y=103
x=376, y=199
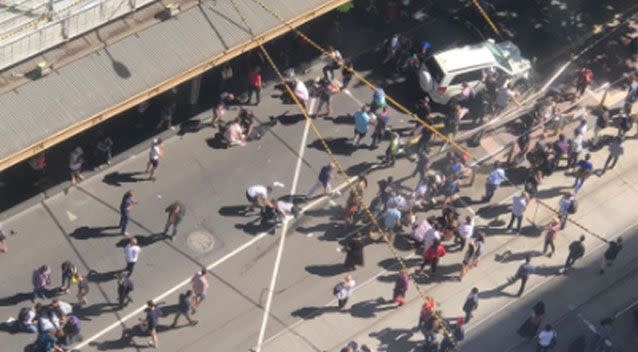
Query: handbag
x=74, y=279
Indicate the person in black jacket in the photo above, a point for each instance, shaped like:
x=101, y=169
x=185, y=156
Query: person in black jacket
x=124, y=288
x=354, y=252
x=576, y=251
x=611, y=253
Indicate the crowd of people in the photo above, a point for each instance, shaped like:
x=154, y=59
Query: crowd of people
x=395, y=211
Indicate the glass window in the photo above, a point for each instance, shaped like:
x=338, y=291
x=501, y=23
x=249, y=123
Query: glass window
x=470, y=76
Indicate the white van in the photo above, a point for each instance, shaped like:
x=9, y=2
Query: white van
x=442, y=75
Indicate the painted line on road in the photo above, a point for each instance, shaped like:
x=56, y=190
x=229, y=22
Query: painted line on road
x=282, y=238
x=542, y=283
x=168, y=292
x=212, y=266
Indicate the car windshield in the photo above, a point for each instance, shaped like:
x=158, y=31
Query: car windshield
x=434, y=69
x=499, y=56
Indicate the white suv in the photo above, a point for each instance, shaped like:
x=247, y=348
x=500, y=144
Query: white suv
x=442, y=75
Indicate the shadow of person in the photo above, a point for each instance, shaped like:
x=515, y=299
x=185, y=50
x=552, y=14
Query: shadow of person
x=85, y=232
x=396, y=340
x=97, y=309
x=233, y=210
x=116, y=178
x=327, y=270
x=16, y=299
x=509, y=256
x=497, y=291
x=369, y=308
x=551, y=270
x=125, y=341
x=338, y=146
x=143, y=240
x=94, y=276
x=307, y=313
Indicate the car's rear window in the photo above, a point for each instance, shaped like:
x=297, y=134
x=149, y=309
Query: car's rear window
x=434, y=69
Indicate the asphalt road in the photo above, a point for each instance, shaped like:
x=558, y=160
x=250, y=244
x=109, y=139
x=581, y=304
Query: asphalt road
x=78, y=226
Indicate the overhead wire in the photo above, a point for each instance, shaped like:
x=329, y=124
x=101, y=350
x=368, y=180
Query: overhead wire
x=402, y=108
x=341, y=171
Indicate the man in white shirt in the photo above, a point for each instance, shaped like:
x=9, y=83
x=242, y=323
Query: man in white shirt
x=546, y=339
x=258, y=195
x=131, y=254
x=465, y=231
x=519, y=205
x=157, y=150
x=564, y=207
x=301, y=92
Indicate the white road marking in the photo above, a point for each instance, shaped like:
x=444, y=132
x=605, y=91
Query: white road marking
x=215, y=264
x=72, y=217
x=533, y=288
x=348, y=93
x=139, y=310
x=282, y=238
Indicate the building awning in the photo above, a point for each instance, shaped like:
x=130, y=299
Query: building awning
x=44, y=112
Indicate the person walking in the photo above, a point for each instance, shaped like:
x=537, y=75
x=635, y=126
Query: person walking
x=611, y=253
x=199, y=284
x=131, y=255
x=566, y=205
x=176, y=212
x=40, y=278
x=156, y=152
x=602, y=122
x=546, y=339
x=255, y=84
x=576, y=251
x=361, y=124
x=465, y=231
x=184, y=307
x=431, y=256
x=354, y=252
x=83, y=289
x=153, y=313
x=616, y=149
x=632, y=94
x=471, y=304
x=584, y=79
x=333, y=61
x=68, y=273
x=473, y=254
x=585, y=169
x=126, y=206
x=343, y=290
x=76, y=160
x=326, y=175
x=124, y=288
x=530, y=326
x=494, y=180
x=551, y=229
x=346, y=74
x=519, y=205
x=400, y=287
x=523, y=273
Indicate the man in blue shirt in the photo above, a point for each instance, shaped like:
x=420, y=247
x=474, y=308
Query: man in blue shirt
x=494, y=180
x=585, y=169
x=391, y=219
x=361, y=124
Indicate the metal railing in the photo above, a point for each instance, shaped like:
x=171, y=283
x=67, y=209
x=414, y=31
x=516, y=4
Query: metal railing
x=67, y=20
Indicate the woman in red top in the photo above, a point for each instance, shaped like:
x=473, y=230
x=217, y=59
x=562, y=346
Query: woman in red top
x=432, y=255
x=552, y=229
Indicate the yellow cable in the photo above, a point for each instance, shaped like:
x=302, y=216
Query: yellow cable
x=405, y=110
x=341, y=171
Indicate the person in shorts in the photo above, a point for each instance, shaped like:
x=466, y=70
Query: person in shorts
x=199, y=284
x=157, y=150
x=258, y=195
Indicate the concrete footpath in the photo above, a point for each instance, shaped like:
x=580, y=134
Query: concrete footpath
x=606, y=205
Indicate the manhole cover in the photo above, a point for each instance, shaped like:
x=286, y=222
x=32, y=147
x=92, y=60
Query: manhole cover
x=200, y=241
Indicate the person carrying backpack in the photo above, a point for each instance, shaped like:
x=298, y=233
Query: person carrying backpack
x=343, y=290
x=576, y=251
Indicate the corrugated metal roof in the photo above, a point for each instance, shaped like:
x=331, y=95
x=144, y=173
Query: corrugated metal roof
x=51, y=104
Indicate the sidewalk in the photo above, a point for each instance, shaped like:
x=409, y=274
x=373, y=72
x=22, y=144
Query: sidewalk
x=603, y=209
